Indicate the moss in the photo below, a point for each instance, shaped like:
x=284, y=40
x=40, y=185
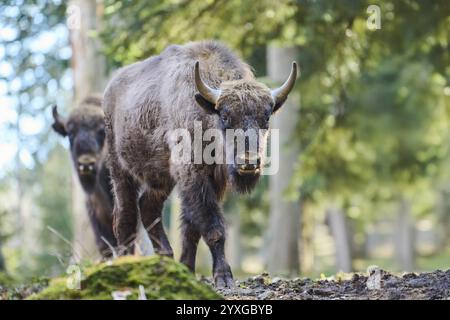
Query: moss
x=161, y=277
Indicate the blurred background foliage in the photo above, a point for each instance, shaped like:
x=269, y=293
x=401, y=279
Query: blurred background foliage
x=373, y=129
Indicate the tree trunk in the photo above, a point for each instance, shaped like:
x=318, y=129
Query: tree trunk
x=284, y=222
x=234, y=253
x=443, y=229
x=307, y=239
x=2, y=260
x=340, y=231
x=404, y=237
x=89, y=77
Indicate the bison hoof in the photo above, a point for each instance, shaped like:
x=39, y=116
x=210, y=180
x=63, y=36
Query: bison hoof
x=224, y=279
x=123, y=250
x=166, y=253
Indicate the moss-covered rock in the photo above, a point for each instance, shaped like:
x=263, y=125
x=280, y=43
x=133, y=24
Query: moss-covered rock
x=160, y=277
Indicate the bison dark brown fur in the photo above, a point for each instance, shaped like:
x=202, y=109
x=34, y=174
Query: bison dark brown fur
x=85, y=128
x=144, y=103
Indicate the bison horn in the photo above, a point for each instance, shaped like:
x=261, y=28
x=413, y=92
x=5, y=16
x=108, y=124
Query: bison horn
x=55, y=114
x=280, y=94
x=210, y=94
x=58, y=125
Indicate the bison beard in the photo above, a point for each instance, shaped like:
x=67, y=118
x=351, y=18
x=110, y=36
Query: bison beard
x=242, y=183
x=143, y=103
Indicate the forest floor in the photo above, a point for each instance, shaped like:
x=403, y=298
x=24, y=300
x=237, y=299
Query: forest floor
x=380, y=285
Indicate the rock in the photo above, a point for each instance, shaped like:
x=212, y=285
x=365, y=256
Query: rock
x=276, y=280
x=246, y=292
x=391, y=283
x=161, y=278
x=395, y=294
x=418, y=282
x=325, y=292
x=266, y=295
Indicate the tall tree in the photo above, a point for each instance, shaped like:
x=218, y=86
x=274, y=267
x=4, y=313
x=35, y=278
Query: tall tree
x=89, y=74
x=404, y=237
x=284, y=222
x=340, y=232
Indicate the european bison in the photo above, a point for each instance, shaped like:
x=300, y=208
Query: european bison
x=85, y=128
x=145, y=103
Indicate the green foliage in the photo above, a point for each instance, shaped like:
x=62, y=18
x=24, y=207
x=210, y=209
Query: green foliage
x=374, y=111
x=161, y=277
x=157, y=24
x=5, y=279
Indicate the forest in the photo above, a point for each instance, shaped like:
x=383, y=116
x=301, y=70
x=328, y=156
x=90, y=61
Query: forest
x=363, y=185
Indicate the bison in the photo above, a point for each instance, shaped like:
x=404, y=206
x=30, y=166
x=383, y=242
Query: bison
x=145, y=103
x=85, y=128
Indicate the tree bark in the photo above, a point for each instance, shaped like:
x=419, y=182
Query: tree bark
x=234, y=252
x=443, y=229
x=307, y=239
x=340, y=231
x=284, y=222
x=404, y=237
x=2, y=260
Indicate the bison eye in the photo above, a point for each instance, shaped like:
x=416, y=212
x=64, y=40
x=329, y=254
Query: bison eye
x=224, y=118
x=267, y=115
x=71, y=136
x=101, y=135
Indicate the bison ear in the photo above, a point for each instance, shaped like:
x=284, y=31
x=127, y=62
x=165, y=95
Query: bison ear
x=58, y=124
x=205, y=104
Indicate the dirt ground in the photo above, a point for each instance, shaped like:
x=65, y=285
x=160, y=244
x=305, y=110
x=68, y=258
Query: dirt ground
x=380, y=285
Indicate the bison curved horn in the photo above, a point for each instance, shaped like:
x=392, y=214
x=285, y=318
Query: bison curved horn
x=280, y=94
x=55, y=114
x=58, y=125
x=210, y=94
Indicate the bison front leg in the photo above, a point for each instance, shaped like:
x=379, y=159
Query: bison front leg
x=104, y=237
x=202, y=215
x=151, y=205
x=125, y=211
x=190, y=238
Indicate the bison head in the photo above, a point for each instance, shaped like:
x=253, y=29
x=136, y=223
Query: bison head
x=85, y=128
x=244, y=106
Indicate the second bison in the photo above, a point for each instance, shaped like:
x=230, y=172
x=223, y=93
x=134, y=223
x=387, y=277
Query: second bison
x=144, y=103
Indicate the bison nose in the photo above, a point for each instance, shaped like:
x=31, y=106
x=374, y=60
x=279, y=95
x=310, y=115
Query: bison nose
x=249, y=158
x=86, y=164
x=249, y=163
